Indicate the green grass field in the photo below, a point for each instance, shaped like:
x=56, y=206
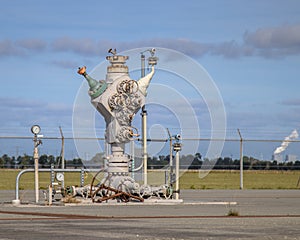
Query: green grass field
x=188, y=180
x=231, y=180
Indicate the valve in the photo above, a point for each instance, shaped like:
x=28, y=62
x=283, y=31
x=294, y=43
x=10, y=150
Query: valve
x=128, y=86
x=127, y=133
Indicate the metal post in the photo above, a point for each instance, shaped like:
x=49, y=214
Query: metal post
x=132, y=158
x=177, y=176
x=107, y=151
x=144, y=126
x=52, y=174
x=241, y=161
x=142, y=65
x=62, y=155
x=145, y=155
x=50, y=190
x=177, y=149
x=36, y=168
x=82, y=177
x=171, y=159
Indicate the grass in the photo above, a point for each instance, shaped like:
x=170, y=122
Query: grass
x=231, y=180
x=188, y=180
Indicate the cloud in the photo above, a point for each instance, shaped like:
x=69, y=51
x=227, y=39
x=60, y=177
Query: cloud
x=275, y=41
x=32, y=44
x=8, y=48
x=21, y=47
x=23, y=113
x=269, y=42
x=89, y=47
x=291, y=102
x=85, y=46
x=232, y=49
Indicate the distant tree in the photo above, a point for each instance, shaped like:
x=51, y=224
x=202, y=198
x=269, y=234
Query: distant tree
x=26, y=161
x=7, y=161
x=158, y=162
x=197, y=162
x=236, y=164
x=77, y=162
x=43, y=159
x=2, y=162
x=51, y=160
x=296, y=165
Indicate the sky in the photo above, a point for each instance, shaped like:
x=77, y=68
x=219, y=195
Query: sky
x=250, y=49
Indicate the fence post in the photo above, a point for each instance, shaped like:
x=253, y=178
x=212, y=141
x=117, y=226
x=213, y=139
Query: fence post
x=241, y=161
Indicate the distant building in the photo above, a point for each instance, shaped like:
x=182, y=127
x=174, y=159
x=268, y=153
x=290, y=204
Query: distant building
x=291, y=158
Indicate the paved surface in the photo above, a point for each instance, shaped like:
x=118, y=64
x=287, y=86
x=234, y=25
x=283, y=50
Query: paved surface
x=263, y=214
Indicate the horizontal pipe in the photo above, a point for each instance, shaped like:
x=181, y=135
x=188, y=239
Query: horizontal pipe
x=46, y=170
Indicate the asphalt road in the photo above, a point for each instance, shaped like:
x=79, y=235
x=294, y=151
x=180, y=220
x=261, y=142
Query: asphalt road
x=263, y=214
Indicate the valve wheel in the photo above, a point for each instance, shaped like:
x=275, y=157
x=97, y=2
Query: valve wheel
x=128, y=86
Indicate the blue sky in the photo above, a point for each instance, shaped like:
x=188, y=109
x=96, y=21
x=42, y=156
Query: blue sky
x=251, y=49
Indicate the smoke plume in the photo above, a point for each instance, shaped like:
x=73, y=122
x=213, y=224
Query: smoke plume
x=286, y=142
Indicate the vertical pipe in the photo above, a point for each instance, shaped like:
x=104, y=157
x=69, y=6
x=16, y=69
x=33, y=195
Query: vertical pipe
x=50, y=190
x=62, y=155
x=177, y=176
x=171, y=159
x=82, y=177
x=17, y=200
x=142, y=65
x=145, y=155
x=144, y=126
x=52, y=174
x=241, y=165
x=36, y=169
x=105, y=162
x=171, y=165
x=132, y=158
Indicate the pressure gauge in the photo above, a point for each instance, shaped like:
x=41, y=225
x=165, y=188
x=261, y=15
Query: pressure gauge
x=59, y=176
x=35, y=129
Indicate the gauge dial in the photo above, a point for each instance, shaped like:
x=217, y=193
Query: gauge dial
x=35, y=129
x=59, y=176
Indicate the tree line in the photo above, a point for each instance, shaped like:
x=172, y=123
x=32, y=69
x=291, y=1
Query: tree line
x=193, y=162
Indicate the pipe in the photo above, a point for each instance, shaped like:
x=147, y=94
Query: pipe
x=177, y=175
x=62, y=154
x=145, y=157
x=36, y=168
x=171, y=158
x=43, y=170
x=144, y=125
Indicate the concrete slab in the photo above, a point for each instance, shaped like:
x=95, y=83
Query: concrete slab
x=263, y=214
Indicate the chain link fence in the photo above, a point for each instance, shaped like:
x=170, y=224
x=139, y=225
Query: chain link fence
x=16, y=152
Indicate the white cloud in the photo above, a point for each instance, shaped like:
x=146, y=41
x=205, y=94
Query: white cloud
x=278, y=41
x=32, y=44
x=275, y=41
x=85, y=46
x=22, y=113
x=8, y=48
x=284, y=36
